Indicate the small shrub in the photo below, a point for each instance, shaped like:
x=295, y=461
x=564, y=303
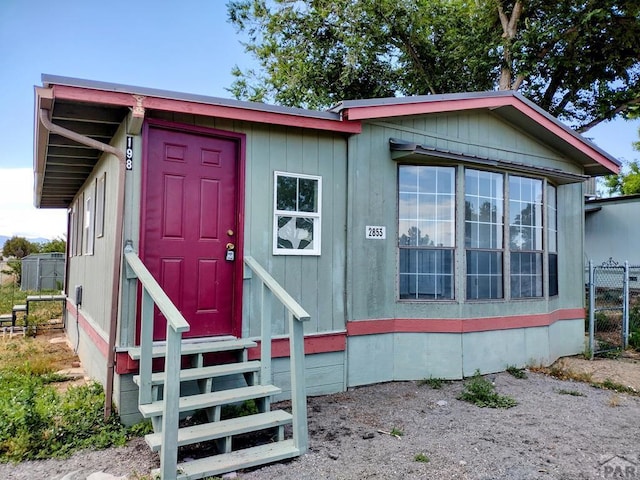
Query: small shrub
x=248, y=407
x=516, y=372
x=482, y=392
x=435, y=383
x=396, y=432
x=421, y=457
x=617, y=387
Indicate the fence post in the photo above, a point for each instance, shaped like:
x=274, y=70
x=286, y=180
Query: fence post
x=592, y=307
x=625, y=307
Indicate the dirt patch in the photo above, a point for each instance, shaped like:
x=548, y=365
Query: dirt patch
x=560, y=429
x=624, y=370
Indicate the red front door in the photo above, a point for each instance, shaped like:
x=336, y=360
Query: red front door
x=189, y=221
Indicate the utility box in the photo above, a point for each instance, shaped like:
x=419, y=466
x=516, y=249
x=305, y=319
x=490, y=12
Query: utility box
x=43, y=271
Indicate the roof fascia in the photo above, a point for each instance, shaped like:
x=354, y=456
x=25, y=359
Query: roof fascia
x=89, y=95
x=492, y=102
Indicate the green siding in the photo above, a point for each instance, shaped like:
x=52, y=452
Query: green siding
x=316, y=282
x=415, y=356
x=372, y=264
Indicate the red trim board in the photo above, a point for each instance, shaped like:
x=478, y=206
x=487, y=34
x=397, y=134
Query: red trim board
x=336, y=342
x=182, y=106
x=459, y=325
x=100, y=343
x=331, y=342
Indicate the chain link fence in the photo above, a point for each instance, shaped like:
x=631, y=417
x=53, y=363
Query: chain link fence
x=614, y=306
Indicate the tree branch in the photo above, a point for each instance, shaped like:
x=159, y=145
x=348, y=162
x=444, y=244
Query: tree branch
x=518, y=83
x=609, y=115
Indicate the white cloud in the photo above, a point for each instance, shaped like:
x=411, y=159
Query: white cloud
x=18, y=216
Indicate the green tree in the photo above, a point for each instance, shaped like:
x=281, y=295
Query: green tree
x=627, y=182
x=577, y=59
x=53, y=246
x=15, y=249
x=19, y=247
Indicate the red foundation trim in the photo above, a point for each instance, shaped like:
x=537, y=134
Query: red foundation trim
x=96, y=339
x=332, y=342
x=336, y=342
x=456, y=325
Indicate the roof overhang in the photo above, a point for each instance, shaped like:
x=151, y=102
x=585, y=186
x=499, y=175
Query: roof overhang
x=508, y=105
x=97, y=109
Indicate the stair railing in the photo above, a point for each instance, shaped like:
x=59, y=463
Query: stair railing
x=152, y=294
x=296, y=316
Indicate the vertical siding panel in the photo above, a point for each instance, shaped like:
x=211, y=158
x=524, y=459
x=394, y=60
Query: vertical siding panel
x=309, y=288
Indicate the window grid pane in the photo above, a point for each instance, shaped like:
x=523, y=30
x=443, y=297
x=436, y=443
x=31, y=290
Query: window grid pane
x=525, y=213
x=426, y=224
x=526, y=274
x=426, y=206
x=552, y=224
x=484, y=275
x=426, y=274
x=483, y=209
x=297, y=200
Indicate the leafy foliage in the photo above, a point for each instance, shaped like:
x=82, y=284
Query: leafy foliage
x=516, y=372
x=578, y=60
x=36, y=421
x=627, y=182
x=482, y=392
x=19, y=247
x=57, y=245
x=435, y=383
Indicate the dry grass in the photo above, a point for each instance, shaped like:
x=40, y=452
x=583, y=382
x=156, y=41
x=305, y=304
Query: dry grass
x=562, y=373
x=38, y=353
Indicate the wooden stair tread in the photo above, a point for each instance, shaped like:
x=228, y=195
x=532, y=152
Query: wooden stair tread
x=223, y=428
x=206, y=372
x=200, y=347
x=228, y=462
x=204, y=400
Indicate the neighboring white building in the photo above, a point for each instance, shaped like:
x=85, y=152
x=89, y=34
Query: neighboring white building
x=612, y=230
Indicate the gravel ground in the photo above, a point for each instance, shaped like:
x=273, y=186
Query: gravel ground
x=559, y=430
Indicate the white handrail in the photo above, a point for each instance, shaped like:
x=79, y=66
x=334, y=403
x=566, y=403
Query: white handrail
x=279, y=292
x=296, y=315
x=152, y=293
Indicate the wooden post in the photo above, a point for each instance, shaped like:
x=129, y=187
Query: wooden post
x=265, y=342
x=146, y=348
x=171, y=412
x=298, y=393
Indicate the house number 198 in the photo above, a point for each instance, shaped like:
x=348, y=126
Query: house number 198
x=129, y=154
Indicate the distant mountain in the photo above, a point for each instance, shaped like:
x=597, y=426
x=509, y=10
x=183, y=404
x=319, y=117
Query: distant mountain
x=4, y=238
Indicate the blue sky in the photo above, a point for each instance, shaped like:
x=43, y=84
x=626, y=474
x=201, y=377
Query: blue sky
x=185, y=46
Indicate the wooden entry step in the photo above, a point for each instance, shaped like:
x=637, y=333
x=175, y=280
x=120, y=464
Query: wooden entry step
x=195, y=348
x=228, y=462
x=212, y=399
x=211, y=371
x=224, y=428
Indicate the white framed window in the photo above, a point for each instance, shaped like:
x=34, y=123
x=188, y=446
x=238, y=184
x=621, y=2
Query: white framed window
x=297, y=202
x=426, y=232
x=88, y=225
x=77, y=225
x=73, y=225
x=100, y=196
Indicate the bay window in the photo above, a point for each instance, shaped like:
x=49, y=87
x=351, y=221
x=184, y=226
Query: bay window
x=502, y=254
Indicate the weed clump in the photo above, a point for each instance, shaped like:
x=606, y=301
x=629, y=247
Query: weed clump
x=516, y=372
x=435, y=383
x=482, y=392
